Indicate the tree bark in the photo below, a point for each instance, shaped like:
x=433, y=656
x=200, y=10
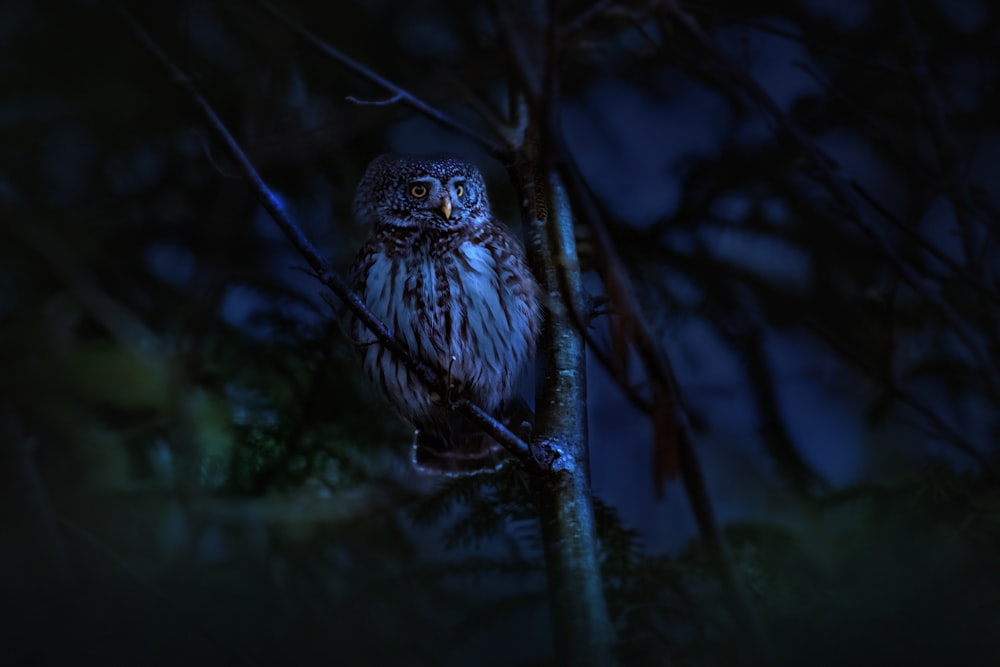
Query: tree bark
x=582, y=629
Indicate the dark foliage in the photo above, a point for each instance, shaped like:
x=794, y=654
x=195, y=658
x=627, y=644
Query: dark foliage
x=804, y=197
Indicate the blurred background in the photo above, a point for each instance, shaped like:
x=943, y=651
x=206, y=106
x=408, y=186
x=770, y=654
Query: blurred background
x=196, y=470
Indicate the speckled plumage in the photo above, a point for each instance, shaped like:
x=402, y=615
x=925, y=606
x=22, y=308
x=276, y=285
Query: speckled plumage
x=453, y=285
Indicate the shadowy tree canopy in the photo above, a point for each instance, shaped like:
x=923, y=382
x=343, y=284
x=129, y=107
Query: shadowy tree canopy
x=788, y=229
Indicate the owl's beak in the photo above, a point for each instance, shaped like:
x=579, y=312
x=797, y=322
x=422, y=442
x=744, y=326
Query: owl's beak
x=446, y=207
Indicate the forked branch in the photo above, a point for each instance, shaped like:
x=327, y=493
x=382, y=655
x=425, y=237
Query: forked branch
x=397, y=93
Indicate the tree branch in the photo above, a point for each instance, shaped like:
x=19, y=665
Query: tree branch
x=667, y=400
x=582, y=628
x=398, y=94
x=944, y=145
x=432, y=378
x=840, y=188
x=581, y=624
x=936, y=425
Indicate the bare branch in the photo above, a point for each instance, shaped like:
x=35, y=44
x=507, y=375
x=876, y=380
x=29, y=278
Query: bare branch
x=840, y=188
x=943, y=143
x=936, y=425
x=723, y=17
x=912, y=234
x=375, y=103
x=404, y=96
x=592, y=12
x=667, y=399
x=526, y=71
x=581, y=624
x=909, y=230
x=211, y=158
x=580, y=619
x=432, y=378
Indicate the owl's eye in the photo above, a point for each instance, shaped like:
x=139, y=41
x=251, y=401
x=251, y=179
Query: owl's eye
x=460, y=190
x=419, y=191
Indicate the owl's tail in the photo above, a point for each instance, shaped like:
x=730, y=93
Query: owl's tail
x=459, y=447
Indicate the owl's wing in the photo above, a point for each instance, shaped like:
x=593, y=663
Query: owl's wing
x=515, y=274
x=357, y=279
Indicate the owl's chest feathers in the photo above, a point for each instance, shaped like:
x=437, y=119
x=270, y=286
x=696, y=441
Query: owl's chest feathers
x=446, y=285
x=433, y=265
x=441, y=295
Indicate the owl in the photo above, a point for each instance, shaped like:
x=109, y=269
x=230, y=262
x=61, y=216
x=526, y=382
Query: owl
x=452, y=284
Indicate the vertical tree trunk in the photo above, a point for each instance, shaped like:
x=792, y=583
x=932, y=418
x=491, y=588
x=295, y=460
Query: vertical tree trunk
x=582, y=629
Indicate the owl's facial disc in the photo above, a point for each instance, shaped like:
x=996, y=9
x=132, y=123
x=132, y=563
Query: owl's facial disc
x=431, y=198
x=452, y=196
x=444, y=208
x=438, y=200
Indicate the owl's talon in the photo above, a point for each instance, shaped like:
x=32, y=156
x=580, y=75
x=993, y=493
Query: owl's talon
x=454, y=388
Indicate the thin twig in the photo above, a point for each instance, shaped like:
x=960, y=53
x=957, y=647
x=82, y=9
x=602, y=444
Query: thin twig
x=207, y=150
x=733, y=19
x=521, y=60
x=915, y=236
x=909, y=230
x=404, y=97
x=944, y=145
x=840, y=188
x=431, y=377
x=617, y=373
x=573, y=26
x=942, y=430
x=374, y=103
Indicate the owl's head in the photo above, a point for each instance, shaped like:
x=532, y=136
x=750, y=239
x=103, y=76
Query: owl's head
x=440, y=191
